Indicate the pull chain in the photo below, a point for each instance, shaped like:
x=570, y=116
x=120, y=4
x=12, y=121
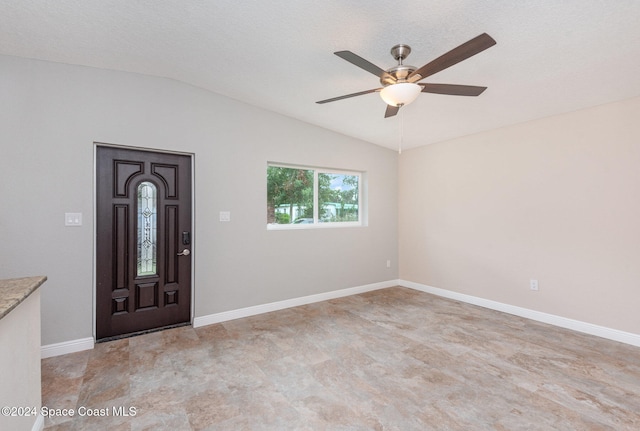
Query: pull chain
x=401, y=130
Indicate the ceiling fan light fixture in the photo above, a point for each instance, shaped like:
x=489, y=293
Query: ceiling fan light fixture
x=400, y=94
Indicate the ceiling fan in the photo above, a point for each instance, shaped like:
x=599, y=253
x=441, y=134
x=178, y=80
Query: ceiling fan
x=399, y=83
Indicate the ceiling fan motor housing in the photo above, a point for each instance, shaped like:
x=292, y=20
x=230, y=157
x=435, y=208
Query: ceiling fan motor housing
x=396, y=74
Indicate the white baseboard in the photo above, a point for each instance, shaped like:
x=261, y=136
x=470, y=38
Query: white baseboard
x=288, y=303
x=563, y=322
x=65, y=347
x=38, y=425
x=81, y=344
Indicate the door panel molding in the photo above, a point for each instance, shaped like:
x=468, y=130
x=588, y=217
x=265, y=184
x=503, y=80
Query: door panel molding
x=125, y=172
x=168, y=175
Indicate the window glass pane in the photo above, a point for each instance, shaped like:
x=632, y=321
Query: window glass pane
x=289, y=195
x=147, y=227
x=337, y=198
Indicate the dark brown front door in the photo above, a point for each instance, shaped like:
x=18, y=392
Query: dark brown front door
x=143, y=236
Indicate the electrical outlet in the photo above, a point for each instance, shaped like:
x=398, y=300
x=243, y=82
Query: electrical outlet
x=533, y=284
x=388, y=264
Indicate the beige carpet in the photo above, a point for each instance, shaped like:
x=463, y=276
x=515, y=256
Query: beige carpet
x=393, y=359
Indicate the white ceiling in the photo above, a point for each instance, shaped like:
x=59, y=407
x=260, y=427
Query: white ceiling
x=551, y=56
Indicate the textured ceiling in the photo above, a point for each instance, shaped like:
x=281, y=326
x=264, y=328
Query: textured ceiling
x=551, y=56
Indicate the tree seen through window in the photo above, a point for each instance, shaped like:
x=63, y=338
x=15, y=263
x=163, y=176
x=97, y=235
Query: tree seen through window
x=292, y=192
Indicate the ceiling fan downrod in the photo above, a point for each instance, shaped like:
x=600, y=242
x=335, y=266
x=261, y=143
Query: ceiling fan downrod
x=401, y=72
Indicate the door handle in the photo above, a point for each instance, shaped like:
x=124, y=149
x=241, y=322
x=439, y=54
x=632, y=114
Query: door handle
x=184, y=252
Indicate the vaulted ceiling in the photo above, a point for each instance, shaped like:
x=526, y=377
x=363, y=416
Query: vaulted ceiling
x=551, y=56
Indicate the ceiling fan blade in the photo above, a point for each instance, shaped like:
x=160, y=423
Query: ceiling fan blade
x=362, y=63
x=452, y=89
x=456, y=55
x=391, y=111
x=346, y=96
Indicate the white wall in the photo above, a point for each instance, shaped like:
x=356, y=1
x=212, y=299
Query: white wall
x=51, y=115
x=556, y=200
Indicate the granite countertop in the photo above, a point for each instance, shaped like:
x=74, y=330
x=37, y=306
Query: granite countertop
x=15, y=290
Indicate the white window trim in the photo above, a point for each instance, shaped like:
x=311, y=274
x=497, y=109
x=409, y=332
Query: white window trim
x=330, y=225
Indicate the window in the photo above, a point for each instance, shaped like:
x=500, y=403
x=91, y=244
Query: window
x=309, y=197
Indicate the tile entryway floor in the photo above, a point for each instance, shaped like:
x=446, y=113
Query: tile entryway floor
x=393, y=359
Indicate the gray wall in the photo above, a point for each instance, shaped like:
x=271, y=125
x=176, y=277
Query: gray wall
x=51, y=115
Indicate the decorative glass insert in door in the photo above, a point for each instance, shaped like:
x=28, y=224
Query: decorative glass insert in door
x=147, y=227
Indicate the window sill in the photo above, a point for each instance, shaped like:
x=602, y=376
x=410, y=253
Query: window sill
x=338, y=225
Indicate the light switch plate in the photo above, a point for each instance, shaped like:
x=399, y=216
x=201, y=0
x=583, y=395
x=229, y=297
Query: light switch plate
x=225, y=216
x=73, y=219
